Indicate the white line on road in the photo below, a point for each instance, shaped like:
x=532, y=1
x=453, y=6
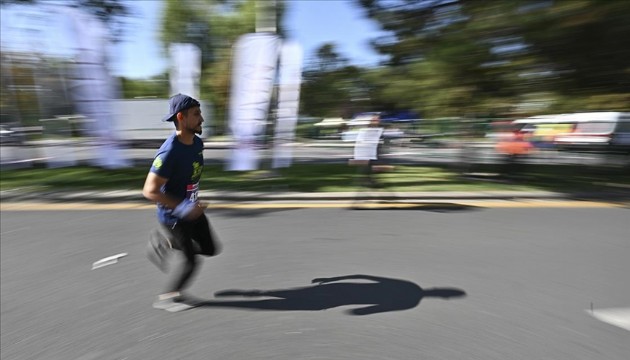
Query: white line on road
x=615, y=316
x=108, y=261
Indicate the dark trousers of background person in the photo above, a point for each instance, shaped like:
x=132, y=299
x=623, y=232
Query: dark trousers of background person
x=369, y=172
x=512, y=165
x=192, y=238
x=369, y=178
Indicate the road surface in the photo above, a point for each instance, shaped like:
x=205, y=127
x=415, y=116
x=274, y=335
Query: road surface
x=450, y=282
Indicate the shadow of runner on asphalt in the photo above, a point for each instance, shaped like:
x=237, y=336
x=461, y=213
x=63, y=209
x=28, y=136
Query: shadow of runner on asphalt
x=244, y=212
x=402, y=205
x=380, y=295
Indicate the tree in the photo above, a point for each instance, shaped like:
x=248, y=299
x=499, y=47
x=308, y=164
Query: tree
x=435, y=66
x=215, y=25
x=472, y=56
x=111, y=12
x=585, y=42
x=332, y=88
x=156, y=86
x=329, y=59
x=39, y=76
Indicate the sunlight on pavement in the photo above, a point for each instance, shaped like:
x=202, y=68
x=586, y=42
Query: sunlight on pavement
x=618, y=316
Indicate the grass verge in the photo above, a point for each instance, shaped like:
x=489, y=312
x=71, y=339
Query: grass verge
x=323, y=178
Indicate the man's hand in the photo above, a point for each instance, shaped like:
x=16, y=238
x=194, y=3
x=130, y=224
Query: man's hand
x=188, y=210
x=197, y=211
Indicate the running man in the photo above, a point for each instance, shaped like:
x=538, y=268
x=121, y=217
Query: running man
x=173, y=183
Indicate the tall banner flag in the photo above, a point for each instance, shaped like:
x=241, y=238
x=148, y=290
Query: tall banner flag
x=185, y=69
x=253, y=74
x=94, y=89
x=291, y=57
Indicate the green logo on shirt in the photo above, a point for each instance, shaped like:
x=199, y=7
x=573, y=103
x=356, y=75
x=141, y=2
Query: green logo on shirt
x=196, y=170
x=157, y=163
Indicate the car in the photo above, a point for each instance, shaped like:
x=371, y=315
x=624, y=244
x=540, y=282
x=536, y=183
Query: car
x=542, y=130
x=364, y=119
x=385, y=117
x=328, y=123
x=606, y=131
x=397, y=117
x=13, y=133
x=328, y=128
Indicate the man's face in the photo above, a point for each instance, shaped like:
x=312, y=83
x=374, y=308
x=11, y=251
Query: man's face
x=193, y=120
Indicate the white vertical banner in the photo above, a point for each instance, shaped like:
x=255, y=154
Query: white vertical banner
x=253, y=74
x=94, y=89
x=291, y=57
x=185, y=69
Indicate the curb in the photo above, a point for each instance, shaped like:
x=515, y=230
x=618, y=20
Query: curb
x=258, y=197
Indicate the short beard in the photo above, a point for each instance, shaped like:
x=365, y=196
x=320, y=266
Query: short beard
x=198, y=132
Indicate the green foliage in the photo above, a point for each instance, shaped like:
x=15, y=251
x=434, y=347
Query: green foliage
x=468, y=57
x=157, y=86
x=331, y=87
x=111, y=12
x=213, y=25
x=313, y=178
x=446, y=58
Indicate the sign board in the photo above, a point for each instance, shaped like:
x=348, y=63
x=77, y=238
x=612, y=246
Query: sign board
x=366, y=145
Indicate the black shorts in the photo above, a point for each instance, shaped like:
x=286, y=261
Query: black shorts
x=193, y=237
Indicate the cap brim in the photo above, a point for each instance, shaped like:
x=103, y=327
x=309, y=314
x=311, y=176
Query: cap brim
x=168, y=117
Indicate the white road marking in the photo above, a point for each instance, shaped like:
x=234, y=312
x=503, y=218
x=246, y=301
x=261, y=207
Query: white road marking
x=108, y=261
x=615, y=316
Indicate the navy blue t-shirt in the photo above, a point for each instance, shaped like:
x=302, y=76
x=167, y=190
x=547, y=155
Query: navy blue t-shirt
x=182, y=165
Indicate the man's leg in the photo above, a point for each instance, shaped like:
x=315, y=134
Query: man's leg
x=204, y=237
x=182, y=234
x=190, y=238
x=159, y=247
x=172, y=300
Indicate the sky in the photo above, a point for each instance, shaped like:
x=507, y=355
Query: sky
x=309, y=22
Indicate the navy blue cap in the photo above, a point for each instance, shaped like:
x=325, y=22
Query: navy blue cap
x=177, y=103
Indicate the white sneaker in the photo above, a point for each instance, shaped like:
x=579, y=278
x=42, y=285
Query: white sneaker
x=175, y=303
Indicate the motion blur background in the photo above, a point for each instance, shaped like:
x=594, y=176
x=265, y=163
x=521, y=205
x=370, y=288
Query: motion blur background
x=522, y=105
x=460, y=65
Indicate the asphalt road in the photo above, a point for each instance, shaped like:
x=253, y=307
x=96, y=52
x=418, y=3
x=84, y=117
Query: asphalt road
x=450, y=283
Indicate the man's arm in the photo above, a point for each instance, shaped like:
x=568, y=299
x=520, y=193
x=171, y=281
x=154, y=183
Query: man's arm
x=152, y=190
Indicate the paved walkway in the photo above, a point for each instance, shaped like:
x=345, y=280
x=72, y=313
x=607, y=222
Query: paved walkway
x=268, y=197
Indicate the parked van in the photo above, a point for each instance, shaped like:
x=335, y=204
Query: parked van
x=606, y=131
x=541, y=131
x=596, y=131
